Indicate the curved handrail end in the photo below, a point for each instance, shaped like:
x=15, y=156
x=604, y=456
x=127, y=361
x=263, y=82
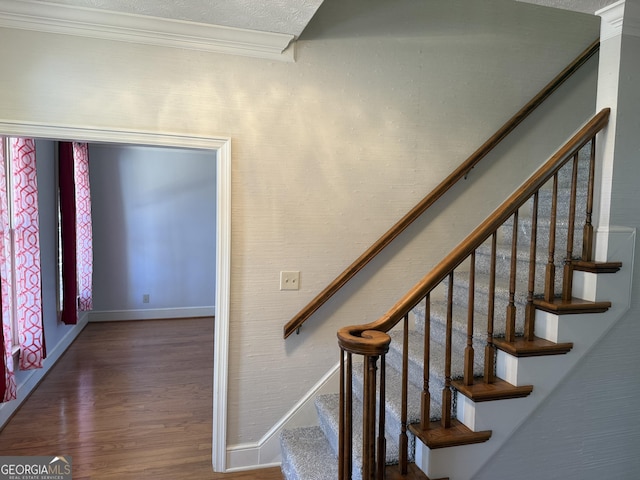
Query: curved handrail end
x=361, y=341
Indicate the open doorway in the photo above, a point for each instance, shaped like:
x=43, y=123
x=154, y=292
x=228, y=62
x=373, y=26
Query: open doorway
x=220, y=149
x=154, y=229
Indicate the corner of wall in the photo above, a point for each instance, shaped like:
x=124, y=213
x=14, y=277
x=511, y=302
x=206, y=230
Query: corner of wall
x=266, y=451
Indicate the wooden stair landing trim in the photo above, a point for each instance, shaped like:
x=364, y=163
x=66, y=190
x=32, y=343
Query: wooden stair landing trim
x=596, y=267
x=573, y=306
x=435, y=436
x=534, y=348
x=498, y=390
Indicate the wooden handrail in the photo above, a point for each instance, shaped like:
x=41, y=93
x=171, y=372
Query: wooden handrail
x=459, y=173
x=349, y=337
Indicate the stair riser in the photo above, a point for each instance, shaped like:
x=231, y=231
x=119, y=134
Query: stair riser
x=436, y=374
x=436, y=378
x=505, y=238
x=501, y=302
x=329, y=423
x=329, y=426
x=327, y=407
x=458, y=331
x=503, y=269
x=392, y=424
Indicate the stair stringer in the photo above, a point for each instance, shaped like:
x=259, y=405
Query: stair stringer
x=505, y=417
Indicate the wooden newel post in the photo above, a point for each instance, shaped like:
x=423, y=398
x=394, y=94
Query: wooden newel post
x=372, y=345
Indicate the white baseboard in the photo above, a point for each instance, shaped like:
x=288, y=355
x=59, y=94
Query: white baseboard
x=150, y=314
x=30, y=381
x=266, y=452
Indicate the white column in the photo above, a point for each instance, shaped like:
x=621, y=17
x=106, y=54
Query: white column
x=617, y=89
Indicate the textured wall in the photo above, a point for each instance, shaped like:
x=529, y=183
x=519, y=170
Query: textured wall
x=385, y=98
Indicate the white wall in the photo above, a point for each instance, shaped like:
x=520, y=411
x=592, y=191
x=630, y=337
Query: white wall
x=154, y=230
x=385, y=98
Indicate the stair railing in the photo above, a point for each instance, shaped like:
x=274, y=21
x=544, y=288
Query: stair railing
x=372, y=340
x=458, y=174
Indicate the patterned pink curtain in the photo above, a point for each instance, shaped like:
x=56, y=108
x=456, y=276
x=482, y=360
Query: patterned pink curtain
x=84, y=245
x=7, y=379
x=27, y=253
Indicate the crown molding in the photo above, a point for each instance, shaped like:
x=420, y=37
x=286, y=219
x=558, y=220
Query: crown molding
x=620, y=18
x=612, y=17
x=146, y=30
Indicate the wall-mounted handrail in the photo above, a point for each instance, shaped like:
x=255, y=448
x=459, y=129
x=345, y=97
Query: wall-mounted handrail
x=459, y=173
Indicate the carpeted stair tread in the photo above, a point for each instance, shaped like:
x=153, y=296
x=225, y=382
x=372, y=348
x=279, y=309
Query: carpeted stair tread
x=503, y=264
x=501, y=299
x=394, y=394
x=461, y=280
x=459, y=324
x=328, y=407
x=503, y=254
x=545, y=198
x=436, y=361
x=505, y=236
x=307, y=455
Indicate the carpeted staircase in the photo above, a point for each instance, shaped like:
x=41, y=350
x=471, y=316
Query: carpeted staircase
x=310, y=453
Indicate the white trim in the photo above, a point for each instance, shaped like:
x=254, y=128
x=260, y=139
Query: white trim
x=34, y=377
x=150, y=314
x=141, y=29
x=266, y=452
x=222, y=299
x=612, y=17
x=222, y=147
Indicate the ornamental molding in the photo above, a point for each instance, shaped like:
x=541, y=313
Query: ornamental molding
x=619, y=18
x=141, y=29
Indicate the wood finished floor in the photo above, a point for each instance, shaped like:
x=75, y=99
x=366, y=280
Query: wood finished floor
x=128, y=400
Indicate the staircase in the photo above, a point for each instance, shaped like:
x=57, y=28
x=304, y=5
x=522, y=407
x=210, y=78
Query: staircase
x=495, y=351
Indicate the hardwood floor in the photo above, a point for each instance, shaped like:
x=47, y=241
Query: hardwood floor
x=128, y=400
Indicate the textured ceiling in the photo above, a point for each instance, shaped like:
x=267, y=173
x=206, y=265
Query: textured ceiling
x=288, y=17
x=584, y=6
x=278, y=16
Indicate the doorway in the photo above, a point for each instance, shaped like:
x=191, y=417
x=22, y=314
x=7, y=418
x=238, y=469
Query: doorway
x=221, y=154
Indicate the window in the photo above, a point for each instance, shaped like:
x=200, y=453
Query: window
x=20, y=276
